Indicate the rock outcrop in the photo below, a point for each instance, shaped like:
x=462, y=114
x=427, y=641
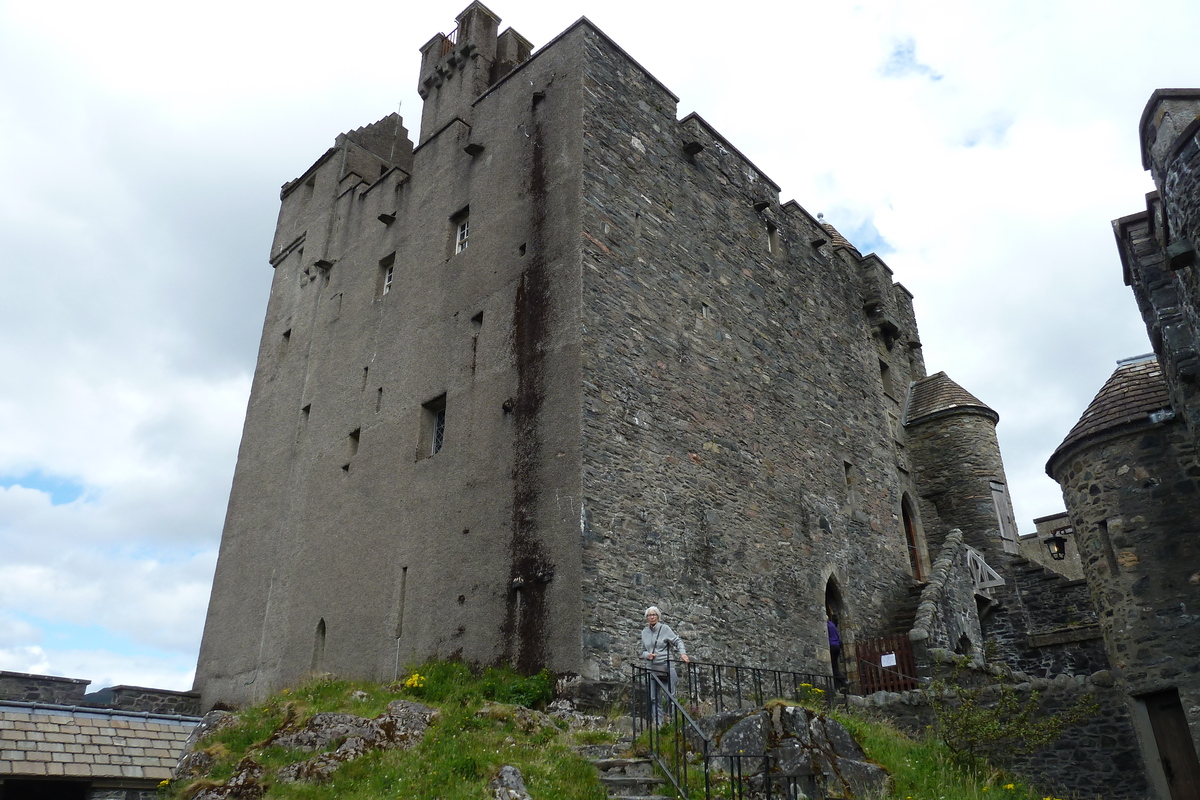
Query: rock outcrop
x=799, y=743
x=400, y=727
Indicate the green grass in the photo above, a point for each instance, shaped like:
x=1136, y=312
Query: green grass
x=925, y=769
x=462, y=750
x=459, y=754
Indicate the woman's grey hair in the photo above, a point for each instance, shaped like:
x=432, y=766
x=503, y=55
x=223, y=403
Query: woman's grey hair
x=653, y=610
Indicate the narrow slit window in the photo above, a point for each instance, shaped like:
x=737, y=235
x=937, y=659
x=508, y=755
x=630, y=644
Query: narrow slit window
x=476, y=327
x=773, y=245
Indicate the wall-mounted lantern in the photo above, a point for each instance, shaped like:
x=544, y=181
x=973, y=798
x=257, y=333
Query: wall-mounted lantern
x=1056, y=543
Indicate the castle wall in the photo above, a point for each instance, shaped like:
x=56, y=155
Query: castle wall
x=28, y=688
x=1096, y=758
x=349, y=547
x=1134, y=500
x=1045, y=624
x=737, y=450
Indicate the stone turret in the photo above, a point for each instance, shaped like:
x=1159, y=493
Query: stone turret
x=959, y=472
x=457, y=68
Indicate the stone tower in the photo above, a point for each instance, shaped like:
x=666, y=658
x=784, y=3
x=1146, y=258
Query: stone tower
x=566, y=357
x=1130, y=468
x=954, y=450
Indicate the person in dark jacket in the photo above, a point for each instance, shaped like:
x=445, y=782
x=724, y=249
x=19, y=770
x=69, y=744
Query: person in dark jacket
x=835, y=650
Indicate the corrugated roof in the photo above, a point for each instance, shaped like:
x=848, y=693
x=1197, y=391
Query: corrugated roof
x=938, y=394
x=74, y=742
x=1134, y=392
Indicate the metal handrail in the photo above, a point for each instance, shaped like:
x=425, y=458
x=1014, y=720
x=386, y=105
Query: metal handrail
x=682, y=723
x=714, y=684
x=671, y=753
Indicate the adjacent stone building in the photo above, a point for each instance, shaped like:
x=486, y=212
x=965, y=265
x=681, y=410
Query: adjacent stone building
x=1130, y=469
x=115, y=744
x=566, y=356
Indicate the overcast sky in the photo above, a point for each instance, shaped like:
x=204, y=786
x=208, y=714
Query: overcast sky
x=980, y=148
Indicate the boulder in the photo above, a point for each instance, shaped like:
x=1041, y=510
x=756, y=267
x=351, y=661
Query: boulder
x=508, y=785
x=800, y=744
x=246, y=784
x=195, y=762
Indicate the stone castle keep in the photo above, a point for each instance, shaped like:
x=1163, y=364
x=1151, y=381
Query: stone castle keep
x=566, y=356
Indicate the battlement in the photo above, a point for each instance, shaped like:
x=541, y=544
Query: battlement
x=458, y=67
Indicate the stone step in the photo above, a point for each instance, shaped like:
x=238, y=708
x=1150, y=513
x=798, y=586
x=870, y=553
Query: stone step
x=625, y=786
x=624, y=767
x=601, y=751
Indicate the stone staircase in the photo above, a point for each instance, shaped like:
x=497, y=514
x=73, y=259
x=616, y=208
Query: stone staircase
x=905, y=614
x=624, y=777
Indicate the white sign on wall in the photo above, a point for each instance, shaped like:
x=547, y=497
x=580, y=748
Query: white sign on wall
x=887, y=660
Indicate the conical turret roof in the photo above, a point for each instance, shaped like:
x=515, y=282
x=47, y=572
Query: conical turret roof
x=937, y=395
x=1134, y=391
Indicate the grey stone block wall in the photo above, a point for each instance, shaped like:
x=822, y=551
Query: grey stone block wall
x=1098, y=758
x=738, y=446
x=156, y=701
x=1044, y=624
x=1159, y=248
x=947, y=618
x=27, y=688
x=955, y=458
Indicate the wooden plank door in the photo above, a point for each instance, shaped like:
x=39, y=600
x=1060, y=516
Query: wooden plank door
x=1176, y=751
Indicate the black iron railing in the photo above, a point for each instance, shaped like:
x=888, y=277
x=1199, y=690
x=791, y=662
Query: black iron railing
x=744, y=777
x=709, y=687
x=673, y=736
x=679, y=746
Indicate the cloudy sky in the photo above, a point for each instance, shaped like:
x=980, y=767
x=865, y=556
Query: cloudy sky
x=980, y=148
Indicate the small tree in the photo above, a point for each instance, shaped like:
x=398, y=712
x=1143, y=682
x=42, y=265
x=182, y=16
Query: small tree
x=995, y=719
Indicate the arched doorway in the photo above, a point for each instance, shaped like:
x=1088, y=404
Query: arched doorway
x=834, y=611
x=914, y=540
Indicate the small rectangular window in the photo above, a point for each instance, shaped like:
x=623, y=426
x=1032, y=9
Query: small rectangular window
x=460, y=236
x=460, y=230
x=433, y=427
x=773, y=243
x=387, y=272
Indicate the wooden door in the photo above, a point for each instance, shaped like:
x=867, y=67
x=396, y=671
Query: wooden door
x=1176, y=751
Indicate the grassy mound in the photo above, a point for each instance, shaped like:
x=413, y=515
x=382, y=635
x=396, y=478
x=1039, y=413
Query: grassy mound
x=464, y=749
x=459, y=754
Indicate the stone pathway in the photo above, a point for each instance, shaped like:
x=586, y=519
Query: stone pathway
x=626, y=778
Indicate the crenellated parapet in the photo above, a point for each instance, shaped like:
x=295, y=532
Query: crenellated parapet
x=458, y=67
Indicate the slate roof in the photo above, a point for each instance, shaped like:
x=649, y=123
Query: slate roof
x=937, y=394
x=1134, y=391
x=837, y=240
x=89, y=743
